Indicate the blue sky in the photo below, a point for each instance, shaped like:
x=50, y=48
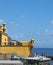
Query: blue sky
x=27, y=19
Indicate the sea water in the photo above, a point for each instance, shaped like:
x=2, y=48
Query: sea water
x=45, y=51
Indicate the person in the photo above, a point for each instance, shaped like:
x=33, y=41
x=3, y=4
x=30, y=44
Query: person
x=35, y=54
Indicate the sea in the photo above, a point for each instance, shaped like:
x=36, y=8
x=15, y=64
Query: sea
x=45, y=51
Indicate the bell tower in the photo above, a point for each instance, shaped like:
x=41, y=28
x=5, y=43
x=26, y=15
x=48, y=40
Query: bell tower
x=4, y=27
x=3, y=35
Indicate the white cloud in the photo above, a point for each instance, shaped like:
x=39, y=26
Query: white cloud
x=11, y=22
x=38, y=33
x=19, y=36
x=22, y=16
x=17, y=24
x=14, y=24
x=52, y=22
x=51, y=33
x=2, y=21
x=47, y=31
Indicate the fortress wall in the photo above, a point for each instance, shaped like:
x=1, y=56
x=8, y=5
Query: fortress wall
x=23, y=51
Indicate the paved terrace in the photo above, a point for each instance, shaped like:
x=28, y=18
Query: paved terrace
x=10, y=62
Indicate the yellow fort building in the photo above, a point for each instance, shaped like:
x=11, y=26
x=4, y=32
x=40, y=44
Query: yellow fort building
x=9, y=46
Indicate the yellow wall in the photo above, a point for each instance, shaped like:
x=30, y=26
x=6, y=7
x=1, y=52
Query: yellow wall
x=4, y=40
x=27, y=43
x=23, y=51
x=1, y=29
